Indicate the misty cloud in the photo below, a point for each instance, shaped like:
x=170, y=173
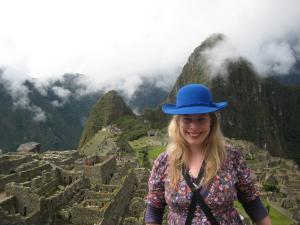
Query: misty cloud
x=274, y=57
x=216, y=57
x=277, y=58
x=116, y=43
x=19, y=93
x=63, y=95
x=21, y=101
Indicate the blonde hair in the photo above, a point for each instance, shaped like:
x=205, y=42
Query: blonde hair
x=213, y=148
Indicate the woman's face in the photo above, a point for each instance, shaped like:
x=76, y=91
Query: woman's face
x=194, y=128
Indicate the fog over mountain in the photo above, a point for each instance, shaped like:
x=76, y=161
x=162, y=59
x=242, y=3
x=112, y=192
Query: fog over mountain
x=116, y=44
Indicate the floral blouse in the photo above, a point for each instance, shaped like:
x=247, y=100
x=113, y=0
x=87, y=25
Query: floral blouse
x=232, y=182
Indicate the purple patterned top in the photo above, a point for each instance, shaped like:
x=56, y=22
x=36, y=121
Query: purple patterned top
x=232, y=182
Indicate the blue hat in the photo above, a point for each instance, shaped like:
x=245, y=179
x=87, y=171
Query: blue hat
x=193, y=99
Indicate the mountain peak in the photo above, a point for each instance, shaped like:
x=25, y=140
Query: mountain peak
x=196, y=69
x=112, y=93
x=109, y=108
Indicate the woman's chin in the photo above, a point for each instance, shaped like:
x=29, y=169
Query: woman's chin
x=194, y=142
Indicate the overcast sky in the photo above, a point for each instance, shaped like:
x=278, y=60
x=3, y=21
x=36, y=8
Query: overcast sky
x=109, y=41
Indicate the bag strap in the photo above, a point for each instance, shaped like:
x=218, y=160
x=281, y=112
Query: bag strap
x=197, y=198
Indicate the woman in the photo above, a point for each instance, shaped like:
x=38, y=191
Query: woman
x=198, y=176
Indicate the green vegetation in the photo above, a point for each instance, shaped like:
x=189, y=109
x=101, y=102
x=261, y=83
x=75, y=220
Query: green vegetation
x=63, y=125
x=276, y=217
x=155, y=151
x=270, y=187
x=139, y=146
x=132, y=128
x=106, y=111
x=156, y=118
x=143, y=157
x=145, y=152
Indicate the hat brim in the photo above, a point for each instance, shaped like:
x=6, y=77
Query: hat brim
x=171, y=109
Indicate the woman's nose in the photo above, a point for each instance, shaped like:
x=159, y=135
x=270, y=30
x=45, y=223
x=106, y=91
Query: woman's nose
x=194, y=124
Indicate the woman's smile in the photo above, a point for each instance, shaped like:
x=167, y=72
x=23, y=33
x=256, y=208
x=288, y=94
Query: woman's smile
x=193, y=134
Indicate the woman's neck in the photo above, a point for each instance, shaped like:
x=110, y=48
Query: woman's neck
x=196, y=159
x=196, y=151
x=196, y=156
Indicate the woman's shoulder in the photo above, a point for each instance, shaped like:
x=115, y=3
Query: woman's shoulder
x=162, y=159
x=233, y=152
x=160, y=164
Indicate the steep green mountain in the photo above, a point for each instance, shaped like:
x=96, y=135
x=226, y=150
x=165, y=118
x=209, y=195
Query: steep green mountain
x=106, y=141
x=112, y=110
x=260, y=109
x=65, y=117
x=196, y=70
x=62, y=127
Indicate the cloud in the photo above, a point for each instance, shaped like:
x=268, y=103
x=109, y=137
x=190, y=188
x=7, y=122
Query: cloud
x=115, y=43
x=20, y=93
x=273, y=57
x=216, y=57
x=63, y=95
x=276, y=58
x=38, y=114
x=22, y=101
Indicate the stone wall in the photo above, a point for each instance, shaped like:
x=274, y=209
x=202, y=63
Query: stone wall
x=32, y=203
x=67, y=177
x=9, y=219
x=10, y=161
x=137, y=207
x=107, y=188
x=121, y=201
x=9, y=205
x=27, y=202
x=61, y=197
x=99, y=195
x=51, y=205
x=31, y=173
x=23, y=176
x=135, y=214
x=101, y=173
x=48, y=187
x=7, y=179
x=27, y=165
x=88, y=213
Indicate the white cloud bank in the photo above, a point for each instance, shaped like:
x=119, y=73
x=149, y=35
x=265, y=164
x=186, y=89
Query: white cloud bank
x=114, y=43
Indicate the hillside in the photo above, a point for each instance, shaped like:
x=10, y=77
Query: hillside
x=261, y=110
x=111, y=109
x=63, y=124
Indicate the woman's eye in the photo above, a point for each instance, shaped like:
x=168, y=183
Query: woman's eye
x=186, y=119
x=196, y=120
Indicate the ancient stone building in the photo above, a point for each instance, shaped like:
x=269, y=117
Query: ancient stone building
x=64, y=187
x=67, y=188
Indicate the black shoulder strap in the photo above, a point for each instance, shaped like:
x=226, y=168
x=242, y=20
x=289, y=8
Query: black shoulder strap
x=197, y=198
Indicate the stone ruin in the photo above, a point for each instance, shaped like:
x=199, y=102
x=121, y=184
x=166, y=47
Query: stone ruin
x=63, y=187
x=66, y=188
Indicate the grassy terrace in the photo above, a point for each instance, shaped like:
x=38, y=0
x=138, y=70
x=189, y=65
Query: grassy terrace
x=146, y=152
x=155, y=151
x=276, y=217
